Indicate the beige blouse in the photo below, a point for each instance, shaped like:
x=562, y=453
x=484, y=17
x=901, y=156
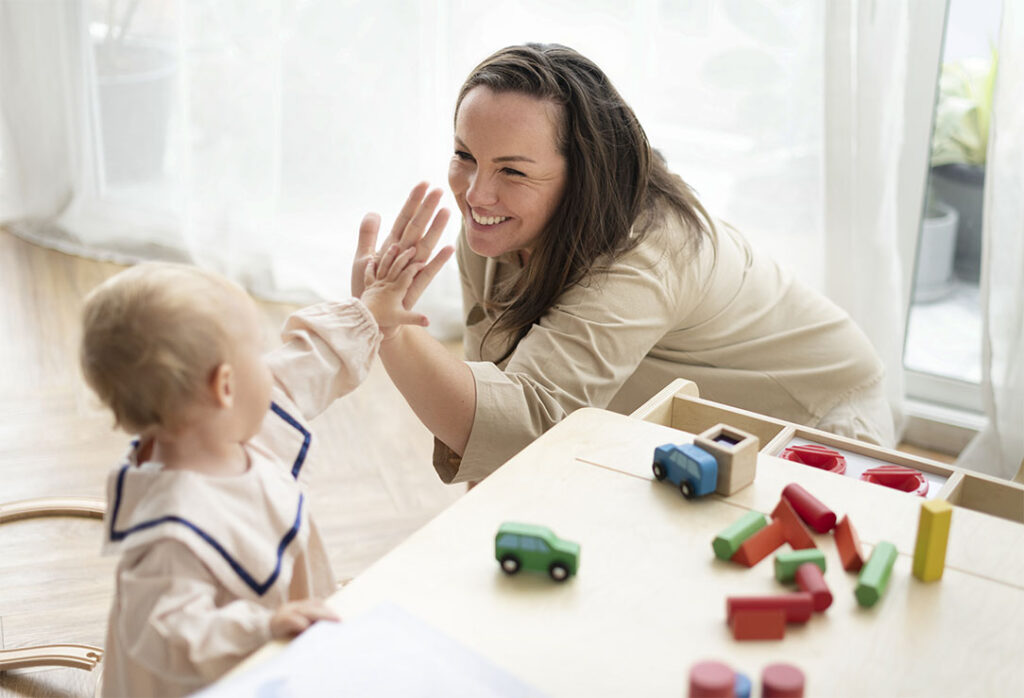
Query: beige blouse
x=728, y=318
x=206, y=560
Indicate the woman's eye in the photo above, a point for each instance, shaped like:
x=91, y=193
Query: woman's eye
x=463, y=155
x=510, y=171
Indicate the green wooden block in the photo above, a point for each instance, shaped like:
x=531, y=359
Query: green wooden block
x=786, y=563
x=874, y=576
x=729, y=540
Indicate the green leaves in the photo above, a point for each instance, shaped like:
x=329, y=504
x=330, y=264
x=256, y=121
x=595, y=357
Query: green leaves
x=964, y=111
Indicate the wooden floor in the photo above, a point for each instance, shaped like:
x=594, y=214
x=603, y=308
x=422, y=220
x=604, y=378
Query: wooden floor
x=55, y=440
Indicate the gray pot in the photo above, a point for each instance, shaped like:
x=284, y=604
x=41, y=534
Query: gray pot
x=963, y=187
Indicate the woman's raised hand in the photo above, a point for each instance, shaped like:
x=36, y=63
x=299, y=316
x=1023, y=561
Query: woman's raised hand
x=410, y=230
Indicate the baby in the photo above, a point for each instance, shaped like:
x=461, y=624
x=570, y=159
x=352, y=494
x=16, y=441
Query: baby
x=218, y=551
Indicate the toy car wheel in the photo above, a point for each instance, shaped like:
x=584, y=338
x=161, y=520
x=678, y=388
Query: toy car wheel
x=510, y=564
x=659, y=471
x=558, y=571
x=687, y=489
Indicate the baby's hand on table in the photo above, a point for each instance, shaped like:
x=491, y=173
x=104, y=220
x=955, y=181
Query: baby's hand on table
x=295, y=617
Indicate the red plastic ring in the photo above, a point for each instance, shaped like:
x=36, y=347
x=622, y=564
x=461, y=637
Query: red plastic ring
x=817, y=456
x=898, y=478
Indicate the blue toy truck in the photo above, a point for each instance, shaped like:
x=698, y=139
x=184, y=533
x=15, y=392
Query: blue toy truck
x=692, y=469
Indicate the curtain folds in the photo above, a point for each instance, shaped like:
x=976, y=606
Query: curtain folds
x=866, y=115
x=999, y=449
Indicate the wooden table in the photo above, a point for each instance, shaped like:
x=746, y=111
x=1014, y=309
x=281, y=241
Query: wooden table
x=649, y=599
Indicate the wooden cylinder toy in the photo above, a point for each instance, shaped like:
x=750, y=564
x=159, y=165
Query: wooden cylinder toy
x=810, y=579
x=787, y=563
x=711, y=680
x=729, y=540
x=798, y=606
x=782, y=681
x=817, y=515
x=874, y=576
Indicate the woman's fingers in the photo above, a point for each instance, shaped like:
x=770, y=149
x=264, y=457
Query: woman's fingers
x=364, y=251
x=426, y=275
x=429, y=241
x=409, y=209
x=412, y=233
x=368, y=230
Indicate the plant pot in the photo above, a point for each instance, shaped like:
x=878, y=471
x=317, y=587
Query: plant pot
x=963, y=187
x=135, y=83
x=933, y=279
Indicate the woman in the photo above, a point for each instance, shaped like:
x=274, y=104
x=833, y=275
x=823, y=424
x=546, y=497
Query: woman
x=592, y=276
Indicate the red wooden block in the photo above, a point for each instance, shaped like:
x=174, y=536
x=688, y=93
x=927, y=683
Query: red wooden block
x=795, y=531
x=712, y=680
x=782, y=681
x=848, y=545
x=767, y=624
x=760, y=545
x=813, y=582
x=817, y=515
x=797, y=606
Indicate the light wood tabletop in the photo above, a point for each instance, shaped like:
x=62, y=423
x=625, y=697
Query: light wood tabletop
x=649, y=599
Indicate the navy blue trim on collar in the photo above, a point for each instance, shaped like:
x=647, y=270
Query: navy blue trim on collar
x=259, y=587
x=306, y=437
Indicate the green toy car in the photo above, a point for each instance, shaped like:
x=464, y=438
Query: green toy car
x=528, y=546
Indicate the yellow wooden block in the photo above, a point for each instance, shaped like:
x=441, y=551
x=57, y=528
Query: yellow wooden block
x=932, y=536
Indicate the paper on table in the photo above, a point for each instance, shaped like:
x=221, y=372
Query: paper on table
x=384, y=652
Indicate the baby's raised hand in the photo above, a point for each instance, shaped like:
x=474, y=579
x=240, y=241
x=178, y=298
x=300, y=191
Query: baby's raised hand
x=386, y=282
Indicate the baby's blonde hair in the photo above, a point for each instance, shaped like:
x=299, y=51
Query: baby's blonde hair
x=151, y=338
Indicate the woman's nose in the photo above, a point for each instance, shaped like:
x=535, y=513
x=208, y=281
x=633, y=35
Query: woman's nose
x=482, y=191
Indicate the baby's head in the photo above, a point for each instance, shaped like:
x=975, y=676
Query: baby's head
x=160, y=340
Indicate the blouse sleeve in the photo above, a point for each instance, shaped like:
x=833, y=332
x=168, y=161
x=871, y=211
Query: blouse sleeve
x=327, y=352
x=578, y=355
x=169, y=620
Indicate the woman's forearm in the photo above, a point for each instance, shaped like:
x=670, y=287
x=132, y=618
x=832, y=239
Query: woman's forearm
x=437, y=385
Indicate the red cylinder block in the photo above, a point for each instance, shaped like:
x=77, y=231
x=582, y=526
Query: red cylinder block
x=817, y=515
x=813, y=582
x=782, y=681
x=798, y=606
x=711, y=680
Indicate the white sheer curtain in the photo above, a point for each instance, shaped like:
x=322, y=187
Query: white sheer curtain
x=999, y=448
x=866, y=113
x=251, y=135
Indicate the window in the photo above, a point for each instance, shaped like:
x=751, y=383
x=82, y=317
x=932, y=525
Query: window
x=942, y=353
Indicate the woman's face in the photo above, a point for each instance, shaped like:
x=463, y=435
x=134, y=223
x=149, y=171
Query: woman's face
x=507, y=174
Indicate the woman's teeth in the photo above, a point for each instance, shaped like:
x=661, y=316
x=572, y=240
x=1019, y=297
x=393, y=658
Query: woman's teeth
x=488, y=220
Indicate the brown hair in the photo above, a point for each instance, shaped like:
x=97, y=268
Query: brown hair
x=151, y=337
x=616, y=185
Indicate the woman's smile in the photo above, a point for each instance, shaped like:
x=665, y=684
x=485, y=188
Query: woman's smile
x=487, y=221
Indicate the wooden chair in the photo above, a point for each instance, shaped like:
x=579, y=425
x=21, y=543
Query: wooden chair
x=67, y=655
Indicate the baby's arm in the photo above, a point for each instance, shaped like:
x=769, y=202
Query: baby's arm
x=169, y=620
x=328, y=347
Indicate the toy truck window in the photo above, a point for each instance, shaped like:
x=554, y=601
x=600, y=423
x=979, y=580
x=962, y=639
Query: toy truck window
x=508, y=540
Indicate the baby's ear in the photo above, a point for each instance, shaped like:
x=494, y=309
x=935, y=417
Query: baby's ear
x=222, y=386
